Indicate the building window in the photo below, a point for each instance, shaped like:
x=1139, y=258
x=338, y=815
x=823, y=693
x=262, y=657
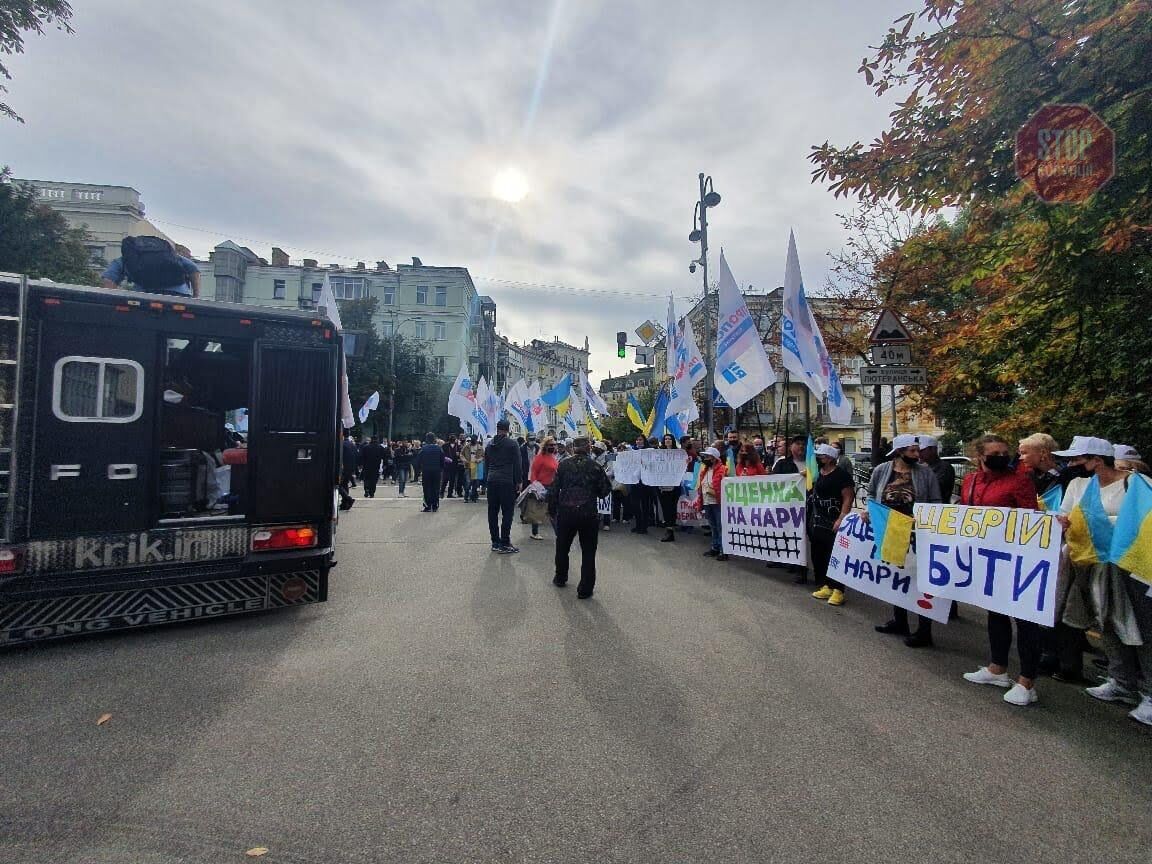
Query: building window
x=96, y=255
x=317, y=290
x=421, y=330
x=349, y=287
x=420, y=364
x=438, y=365
x=441, y=295
x=279, y=290
x=389, y=296
x=387, y=329
x=97, y=390
x=793, y=404
x=417, y=402
x=422, y=295
x=439, y=331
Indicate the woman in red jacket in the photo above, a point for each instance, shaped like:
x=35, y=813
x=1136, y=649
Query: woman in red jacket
x=748, y=463
x=543, y=470
x=996, y=484
x=708, y=497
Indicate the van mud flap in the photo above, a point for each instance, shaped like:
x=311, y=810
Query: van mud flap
x=25, y=621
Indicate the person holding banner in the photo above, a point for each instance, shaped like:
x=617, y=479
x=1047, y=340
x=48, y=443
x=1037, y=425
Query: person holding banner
x=708, y=498
x=829, y=501
x=998, y=484
x=1118, y=602
x=899, y=483
x=669, y=495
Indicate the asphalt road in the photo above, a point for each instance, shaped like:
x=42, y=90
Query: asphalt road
x=450, y=705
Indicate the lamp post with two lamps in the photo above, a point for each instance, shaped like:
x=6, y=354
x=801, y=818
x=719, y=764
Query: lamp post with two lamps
x=709, y=197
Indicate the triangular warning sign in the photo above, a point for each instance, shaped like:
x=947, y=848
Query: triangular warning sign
x=889, y=329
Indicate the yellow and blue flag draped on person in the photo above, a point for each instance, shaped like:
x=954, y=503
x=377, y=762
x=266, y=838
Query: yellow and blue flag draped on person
x=1089, y=534
x=810, y=464
x=1132, y=536
x=657, y=418
x=893, y=532
x=635, y=414
x=1049, y=502
x=560, y=396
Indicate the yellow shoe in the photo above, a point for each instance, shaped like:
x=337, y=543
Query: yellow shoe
x=837, y=598
x=823, y=594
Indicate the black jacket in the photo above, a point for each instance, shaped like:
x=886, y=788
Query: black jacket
x=371, y=455
x=579, y=483
x=349, y=456
x=430, y=459
x=502, y=461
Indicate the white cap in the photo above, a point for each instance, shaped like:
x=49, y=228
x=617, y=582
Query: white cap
x=927, y=441
x=1128, y=453
x=828, y=450
x=711, y=451
x=902, y=441
x=1083, y=445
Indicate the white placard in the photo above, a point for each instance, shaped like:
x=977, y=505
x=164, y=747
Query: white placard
x=604, y=506
x=687, y=514
x=763, y=518
x=662, y=467
x=1000, y=558
x=856, y=564
x=627, y=470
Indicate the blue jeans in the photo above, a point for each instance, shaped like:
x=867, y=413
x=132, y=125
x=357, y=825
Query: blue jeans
x=401, y=478
x=712, y=512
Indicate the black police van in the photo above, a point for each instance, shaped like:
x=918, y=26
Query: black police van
x=127, y=495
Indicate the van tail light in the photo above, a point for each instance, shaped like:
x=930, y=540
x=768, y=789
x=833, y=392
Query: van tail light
x=11, y=561
x=279, y=537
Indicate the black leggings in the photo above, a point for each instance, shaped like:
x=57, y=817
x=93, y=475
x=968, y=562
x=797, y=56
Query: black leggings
x=1029, y=640
x=668, y=502
x=821, y=548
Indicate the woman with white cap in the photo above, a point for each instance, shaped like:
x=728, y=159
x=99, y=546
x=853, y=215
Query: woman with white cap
x=708, y=498
x=830, y=500
x=899, y=483
x=1117, y=602
x=1128, y=459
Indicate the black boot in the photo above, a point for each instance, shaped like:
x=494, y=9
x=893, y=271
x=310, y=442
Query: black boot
x=669, y=537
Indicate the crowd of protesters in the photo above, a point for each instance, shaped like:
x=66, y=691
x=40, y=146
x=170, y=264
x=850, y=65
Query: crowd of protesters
x=1092, y=597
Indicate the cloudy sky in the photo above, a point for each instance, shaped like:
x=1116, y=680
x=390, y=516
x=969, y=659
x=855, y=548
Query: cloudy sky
x=373, y=130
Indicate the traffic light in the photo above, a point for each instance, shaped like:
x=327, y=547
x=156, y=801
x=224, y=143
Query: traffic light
x=621, y=344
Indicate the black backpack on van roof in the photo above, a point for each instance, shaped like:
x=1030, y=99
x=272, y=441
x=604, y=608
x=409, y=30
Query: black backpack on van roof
x=151, y=263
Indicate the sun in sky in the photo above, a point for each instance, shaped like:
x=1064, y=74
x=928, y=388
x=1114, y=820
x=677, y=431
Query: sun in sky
x=510, y=185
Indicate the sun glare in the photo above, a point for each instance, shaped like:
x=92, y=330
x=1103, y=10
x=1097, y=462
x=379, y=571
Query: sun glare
x=510, y=185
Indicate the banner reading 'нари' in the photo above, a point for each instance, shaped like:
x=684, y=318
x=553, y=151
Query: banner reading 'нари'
x=763, y=518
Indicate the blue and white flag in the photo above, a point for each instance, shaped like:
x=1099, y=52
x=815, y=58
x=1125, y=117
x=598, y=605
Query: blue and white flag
x=743, y=370
x=461, y=399
x=517, y=404
x=370, y=405
x=689, y=371
x=803, y=351
x=594, y=399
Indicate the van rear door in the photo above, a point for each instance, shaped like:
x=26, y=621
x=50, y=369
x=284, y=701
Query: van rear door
x=91, y=463
x=292, y=429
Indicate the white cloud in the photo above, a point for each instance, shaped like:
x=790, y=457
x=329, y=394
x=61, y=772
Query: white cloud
x=373, y=130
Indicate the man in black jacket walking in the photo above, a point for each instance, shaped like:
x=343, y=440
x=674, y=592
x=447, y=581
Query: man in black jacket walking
x=579, y=483
x=349, y=456
x=371, y=456
x=430, y=464
x=502, y=471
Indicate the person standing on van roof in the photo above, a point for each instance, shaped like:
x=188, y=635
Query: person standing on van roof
x=153, y=265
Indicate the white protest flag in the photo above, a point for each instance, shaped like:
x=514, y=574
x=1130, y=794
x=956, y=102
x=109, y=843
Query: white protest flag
x=517, y=404
x=328, y=301
x=689, y=371
x=803, y=350
x=370, y=405
x=576, y=409
x=536, y=408
x=461, y=399
x=743, y=370
x=595, y=400
x=480, y=418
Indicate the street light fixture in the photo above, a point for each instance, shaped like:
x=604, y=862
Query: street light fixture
x=709, y=197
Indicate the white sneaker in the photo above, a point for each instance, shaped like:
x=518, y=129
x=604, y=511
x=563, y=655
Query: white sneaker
x=535, y=536
x=1110, y=691
x=1021, y=695
x=983, y=676
x=1143, y=712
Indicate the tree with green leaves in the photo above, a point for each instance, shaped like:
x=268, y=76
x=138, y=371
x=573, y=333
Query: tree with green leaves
x=1029, y=315
x=36, y=240
x=18, y=17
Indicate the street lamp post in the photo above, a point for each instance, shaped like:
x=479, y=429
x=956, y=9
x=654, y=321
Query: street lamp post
x=392, y=368
x=709, y=197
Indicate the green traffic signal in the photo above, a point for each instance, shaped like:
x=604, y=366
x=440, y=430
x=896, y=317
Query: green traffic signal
x=620, y=352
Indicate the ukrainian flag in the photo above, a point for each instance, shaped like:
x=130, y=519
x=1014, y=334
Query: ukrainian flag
x=893, y=532
x=635, y=415
x=810, y=464
x=593, y=429
x=1049, y=502
x=560, y=396
x=1089, y=529
x=1132, y=536
x=657, y=418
